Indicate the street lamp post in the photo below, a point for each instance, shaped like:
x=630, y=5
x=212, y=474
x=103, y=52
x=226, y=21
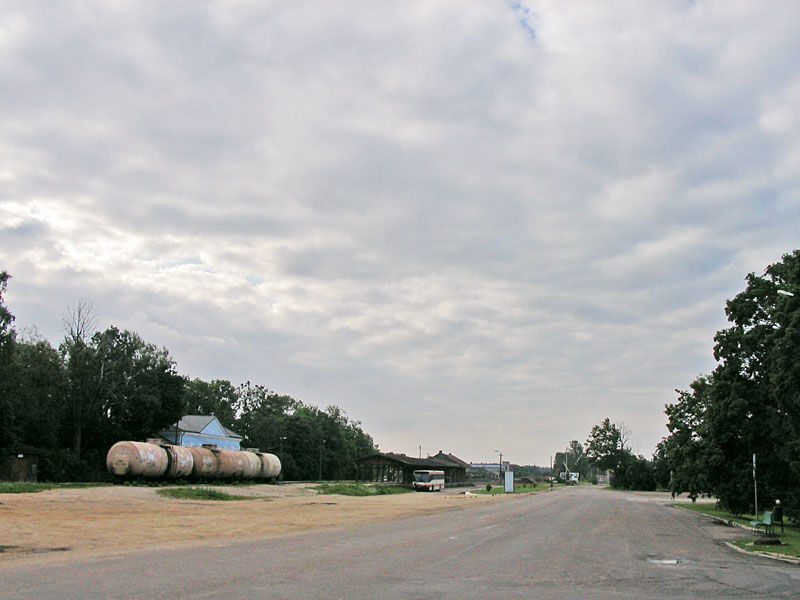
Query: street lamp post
x=321, y=446
x=280, y=456
x=501, y=465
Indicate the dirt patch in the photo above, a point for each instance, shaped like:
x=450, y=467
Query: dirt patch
x=124, y=518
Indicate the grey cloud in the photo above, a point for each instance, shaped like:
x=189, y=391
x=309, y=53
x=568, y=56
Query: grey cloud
x=405, y=209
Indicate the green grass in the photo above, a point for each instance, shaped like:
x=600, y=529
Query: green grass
x=31, y=488
x=789, y=537
x=195, y=493
x=359, y=489
x=518, y=489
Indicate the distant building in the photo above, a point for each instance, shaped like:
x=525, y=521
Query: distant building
x=19, y=462
x=196, y=430
x=479, y=470
x=399, y=468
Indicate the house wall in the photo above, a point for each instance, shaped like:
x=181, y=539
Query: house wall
x=14, y=468
x=186, y=438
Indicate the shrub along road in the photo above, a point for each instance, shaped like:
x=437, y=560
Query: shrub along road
x=580, y=542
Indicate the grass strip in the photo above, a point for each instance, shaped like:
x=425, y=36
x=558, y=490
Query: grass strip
x=12, y=487
x=789, y=537
x=518, y=489
x=195, y=493
x=359, y=489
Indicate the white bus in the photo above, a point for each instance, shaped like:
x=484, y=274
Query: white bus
x=432, y=481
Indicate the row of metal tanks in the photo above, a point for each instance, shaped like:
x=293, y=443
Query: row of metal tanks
x=153, y=459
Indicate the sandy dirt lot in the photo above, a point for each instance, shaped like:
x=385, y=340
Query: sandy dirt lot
x=116, y=519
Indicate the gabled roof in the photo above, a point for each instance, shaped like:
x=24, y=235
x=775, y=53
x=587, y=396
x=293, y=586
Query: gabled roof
x=432, y=462
x=451, y=460
x=198, y=423
x=21, y=449
x=232, y=434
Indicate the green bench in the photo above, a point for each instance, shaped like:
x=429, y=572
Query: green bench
x=766, y=523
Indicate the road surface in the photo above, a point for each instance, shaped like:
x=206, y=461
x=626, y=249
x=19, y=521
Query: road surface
x=581, y=542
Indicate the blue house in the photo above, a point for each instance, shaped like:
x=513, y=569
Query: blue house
x=196, y=430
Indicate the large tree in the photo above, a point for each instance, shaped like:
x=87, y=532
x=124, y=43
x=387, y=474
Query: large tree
x=684, y=454
x=218, y=398
x=78, y=355
x=755, y=400
x=750, y=404
x=37, y=386
x=139, y=390
x=7, y=337
x=606, y=445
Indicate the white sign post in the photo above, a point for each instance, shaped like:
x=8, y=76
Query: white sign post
x=509, y=482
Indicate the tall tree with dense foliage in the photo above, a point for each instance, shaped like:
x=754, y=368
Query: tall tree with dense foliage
x=37, y=390
x=750, y=404
x=101, y=387
x=684, y=454
x=139, y=389
x=81, y=393
x=605, y=446
x=7, y=338
x=218, y=398
x=608, y=448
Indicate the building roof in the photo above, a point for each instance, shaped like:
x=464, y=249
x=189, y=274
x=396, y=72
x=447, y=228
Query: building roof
x=451, y=460
x=439, y=461
x=21, y=449
x=198, y=423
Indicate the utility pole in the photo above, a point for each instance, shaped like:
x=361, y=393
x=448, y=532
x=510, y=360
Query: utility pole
x=321, y=446
x=280, y=456
x=755, y=485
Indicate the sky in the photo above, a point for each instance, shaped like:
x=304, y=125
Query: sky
x=474, y=226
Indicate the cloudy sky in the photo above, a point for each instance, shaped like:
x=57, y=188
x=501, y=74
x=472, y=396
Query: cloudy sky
x=474, y=226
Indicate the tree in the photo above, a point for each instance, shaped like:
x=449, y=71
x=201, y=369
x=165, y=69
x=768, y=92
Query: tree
x=37, y=392
x=218, y=398
x=605, y=446
x=574, y=458
x=686, y=450
x=6, y=318
x=662, y=473
x=262, y=416
x=750, y=404
x=578, y=461
x=7, y=339
x=79, y=325
x=636, y=474
x=138, y=388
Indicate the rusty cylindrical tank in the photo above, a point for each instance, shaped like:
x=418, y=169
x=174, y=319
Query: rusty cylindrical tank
x=270, y=465
x=205, y=465
x=252, y=465
x=230, y=464
x=136, y=459
x=181, y=461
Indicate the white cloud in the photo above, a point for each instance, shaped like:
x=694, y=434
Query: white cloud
x=511, y=219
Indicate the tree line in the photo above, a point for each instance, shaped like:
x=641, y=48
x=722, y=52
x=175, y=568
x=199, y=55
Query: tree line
x=607, y=449
x=748, y=405
x=96, y=388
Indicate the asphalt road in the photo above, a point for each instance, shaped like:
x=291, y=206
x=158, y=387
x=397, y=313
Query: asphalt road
x=579, y=542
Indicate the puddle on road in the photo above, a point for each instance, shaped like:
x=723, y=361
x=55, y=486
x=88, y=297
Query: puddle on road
x=665, y=561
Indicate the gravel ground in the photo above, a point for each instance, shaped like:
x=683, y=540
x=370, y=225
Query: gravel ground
x=100, y=520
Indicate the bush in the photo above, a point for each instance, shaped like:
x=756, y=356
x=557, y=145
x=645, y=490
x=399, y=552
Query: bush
x=64, y=465
x=359, y=489
x=201, y=494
